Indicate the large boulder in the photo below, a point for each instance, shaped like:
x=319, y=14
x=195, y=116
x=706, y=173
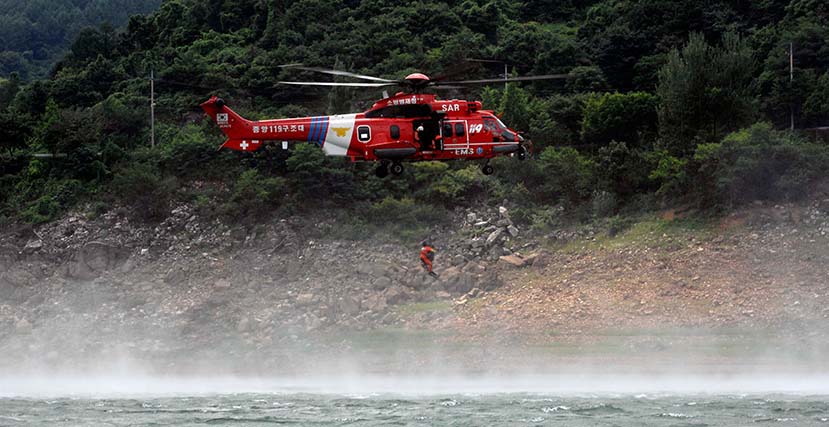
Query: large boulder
x=489, y=281
x=32, y=246
x=494, y=236
x=375, y=302
x=455, y=281
x=305, y=299
x=474, y=268
x=95, y=258
x=382, y=283
x=375, y=269
x=395, y=295
x=16, y=284
x=512, y=261
x=348, y=305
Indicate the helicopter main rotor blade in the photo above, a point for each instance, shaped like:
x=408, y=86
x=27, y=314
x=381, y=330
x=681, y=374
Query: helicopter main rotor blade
x=442, y=86
x=339, y=84
x=511, y=79
x=336, y=72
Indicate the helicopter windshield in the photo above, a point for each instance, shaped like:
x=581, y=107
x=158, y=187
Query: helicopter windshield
x=501, y=124
x=498, y=128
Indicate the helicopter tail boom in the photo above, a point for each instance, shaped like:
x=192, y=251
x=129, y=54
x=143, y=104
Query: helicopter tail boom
x=234, y=126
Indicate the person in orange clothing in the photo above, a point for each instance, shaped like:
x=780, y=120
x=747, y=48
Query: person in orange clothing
x=427, y=257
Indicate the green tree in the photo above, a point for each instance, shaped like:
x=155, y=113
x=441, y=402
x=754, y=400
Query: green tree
x=569, y=175
x=759, y=163
x=629, y=118
x=704, y=92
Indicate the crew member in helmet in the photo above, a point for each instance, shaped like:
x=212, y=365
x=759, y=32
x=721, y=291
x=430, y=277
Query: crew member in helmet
x=427, y=257
x=420, y=134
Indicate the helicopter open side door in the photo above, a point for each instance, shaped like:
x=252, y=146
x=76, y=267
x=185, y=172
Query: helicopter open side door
x=454, y=134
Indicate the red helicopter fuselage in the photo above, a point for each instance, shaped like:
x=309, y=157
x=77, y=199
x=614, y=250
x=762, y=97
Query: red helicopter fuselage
x=405, y=127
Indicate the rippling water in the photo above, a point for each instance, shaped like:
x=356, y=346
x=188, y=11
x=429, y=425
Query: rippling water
x=512, y=409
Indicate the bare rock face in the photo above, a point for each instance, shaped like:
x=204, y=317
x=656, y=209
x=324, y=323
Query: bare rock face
x=9, y=254
x=16, y=284
x=95, y=258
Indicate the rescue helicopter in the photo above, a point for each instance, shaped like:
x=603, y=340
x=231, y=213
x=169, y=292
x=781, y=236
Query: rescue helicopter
x=407, y=127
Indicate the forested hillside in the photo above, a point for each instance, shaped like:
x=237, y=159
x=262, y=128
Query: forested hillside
x=34, y=34
x=678, y=102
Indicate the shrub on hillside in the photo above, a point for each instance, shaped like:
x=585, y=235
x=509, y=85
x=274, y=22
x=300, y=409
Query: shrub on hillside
x=624, y=117
x=187, y=151
x=254, y=194
x=759, y=163
x=141, y=186
x=437, y=183
x=315, y=178
x=54, y=197
x=623, y=169
x=405, y=212
x=569, y=175
x=668, y=172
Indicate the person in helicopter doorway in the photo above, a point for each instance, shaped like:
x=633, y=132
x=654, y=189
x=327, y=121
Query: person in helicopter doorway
x=427, y=257
x=420, y=132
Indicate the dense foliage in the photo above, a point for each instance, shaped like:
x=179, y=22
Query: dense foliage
x=664, y=101
x=34, y=34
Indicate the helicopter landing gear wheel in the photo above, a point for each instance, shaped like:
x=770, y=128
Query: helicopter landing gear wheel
x=396, y=168
x=382, y=171
x=487, y=169
x=523, y=153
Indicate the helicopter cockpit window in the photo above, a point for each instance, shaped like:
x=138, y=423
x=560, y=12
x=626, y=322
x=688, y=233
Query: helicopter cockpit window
x=363, y=133
x=489, y=125
x=447, y=130
x=460, y=130
x=503, y=131
x=401, y=111
x=394, y=132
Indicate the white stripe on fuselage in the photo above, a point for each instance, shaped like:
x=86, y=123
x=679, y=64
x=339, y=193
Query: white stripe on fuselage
x=338, y=138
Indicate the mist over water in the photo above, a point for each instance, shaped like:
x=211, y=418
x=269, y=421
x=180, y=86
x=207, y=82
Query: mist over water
x=82, y=374
x=114, y=386
x=698, y=364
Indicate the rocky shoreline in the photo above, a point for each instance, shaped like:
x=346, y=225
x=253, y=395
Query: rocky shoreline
x=107, y=286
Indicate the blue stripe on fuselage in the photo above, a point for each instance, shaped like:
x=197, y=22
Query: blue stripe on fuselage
x=313, y=129
x=324, y=130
